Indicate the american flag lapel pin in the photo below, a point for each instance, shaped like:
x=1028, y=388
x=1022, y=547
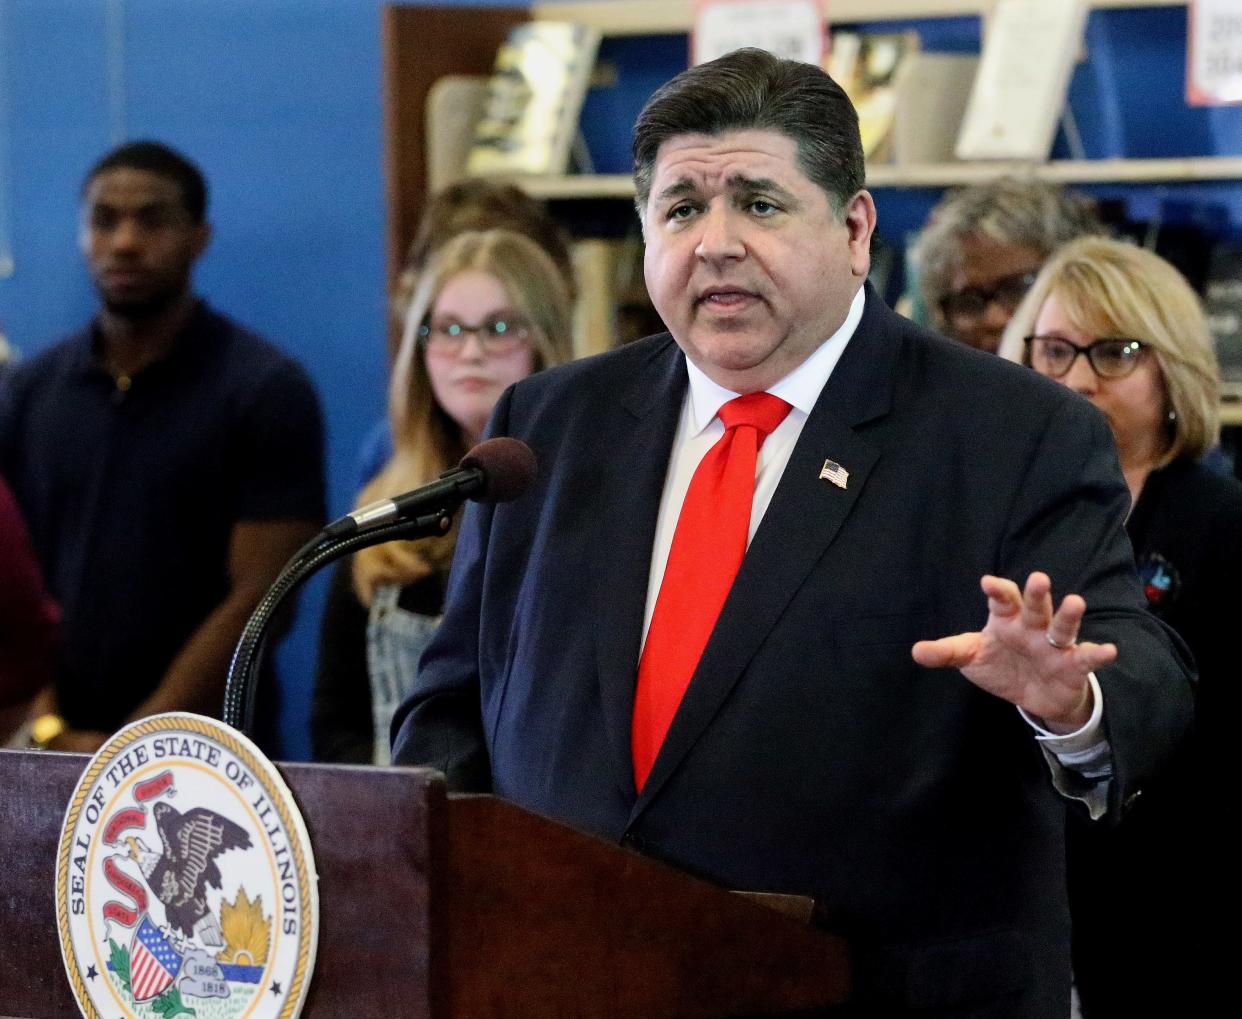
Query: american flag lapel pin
x=834, y=472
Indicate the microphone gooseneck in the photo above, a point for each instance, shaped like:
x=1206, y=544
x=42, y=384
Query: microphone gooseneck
x=498, y=470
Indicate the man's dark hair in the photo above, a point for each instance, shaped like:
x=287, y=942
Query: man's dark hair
x=750, y=89
x=157, y=158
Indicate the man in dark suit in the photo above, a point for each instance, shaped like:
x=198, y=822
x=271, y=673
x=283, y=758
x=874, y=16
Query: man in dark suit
x=722, y=676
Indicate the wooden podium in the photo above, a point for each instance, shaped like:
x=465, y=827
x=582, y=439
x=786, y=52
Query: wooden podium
x=436, y=905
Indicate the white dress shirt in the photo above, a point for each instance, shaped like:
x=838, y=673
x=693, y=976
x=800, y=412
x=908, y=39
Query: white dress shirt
x=699, y=429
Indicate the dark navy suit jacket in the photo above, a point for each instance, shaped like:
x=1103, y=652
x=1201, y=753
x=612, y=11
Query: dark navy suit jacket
x=811, y=754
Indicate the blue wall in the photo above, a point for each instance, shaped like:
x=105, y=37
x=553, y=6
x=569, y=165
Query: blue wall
x=279, y=101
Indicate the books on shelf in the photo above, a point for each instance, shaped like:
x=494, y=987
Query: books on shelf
x=454, y=105
x=534, y=98
x=1029, y=53
x=613, y=305
x=866, y=66
x=932, y=92
x=1222, y=304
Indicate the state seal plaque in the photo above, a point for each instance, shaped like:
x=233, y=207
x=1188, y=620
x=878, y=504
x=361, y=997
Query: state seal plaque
x=185, y=883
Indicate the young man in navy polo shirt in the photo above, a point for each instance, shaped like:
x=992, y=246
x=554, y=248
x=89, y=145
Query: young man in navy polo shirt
x=168, y=463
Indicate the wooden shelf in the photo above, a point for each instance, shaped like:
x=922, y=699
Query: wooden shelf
x=937, y=175
x=1231, y=413
x=674, y=17
x=586, y=185
x=1063, y=171
x=653, y=17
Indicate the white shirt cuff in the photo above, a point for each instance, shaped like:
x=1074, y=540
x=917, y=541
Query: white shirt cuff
x=1085, y=753
x=1080, y=741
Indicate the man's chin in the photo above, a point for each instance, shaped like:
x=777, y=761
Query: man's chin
x=136, y=305
x=741, y=370
x=736, y=346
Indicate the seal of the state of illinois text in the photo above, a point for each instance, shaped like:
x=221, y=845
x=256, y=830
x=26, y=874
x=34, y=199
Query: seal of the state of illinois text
x=185, y=883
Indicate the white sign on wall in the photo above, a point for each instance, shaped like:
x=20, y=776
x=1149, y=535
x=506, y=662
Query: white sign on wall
x=1214, y=53
x=789, y=28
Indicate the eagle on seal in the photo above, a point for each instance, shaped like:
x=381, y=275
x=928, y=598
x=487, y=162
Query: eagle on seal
x=180, y=875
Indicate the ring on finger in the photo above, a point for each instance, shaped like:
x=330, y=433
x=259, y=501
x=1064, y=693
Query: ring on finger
x=1056, y=643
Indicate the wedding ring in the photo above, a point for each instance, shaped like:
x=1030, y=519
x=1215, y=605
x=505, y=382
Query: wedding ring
x=1060, y=647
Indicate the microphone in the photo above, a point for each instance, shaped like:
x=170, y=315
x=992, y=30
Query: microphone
x=497, y=470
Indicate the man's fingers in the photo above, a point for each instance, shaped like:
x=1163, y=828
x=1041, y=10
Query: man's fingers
x=1063, y=628
x=948, y=652
x=1004, y=598
x=1090, y=657
x=1037, y=601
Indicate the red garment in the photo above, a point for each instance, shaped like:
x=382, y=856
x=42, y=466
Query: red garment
x=29, y=619
x=707, y=551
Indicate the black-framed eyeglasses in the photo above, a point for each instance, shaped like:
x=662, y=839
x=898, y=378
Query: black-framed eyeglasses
x=973, y=302
x=497, y=335
x=1110, y=357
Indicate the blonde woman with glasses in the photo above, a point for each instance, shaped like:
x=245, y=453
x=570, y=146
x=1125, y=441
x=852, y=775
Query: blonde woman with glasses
x=490, y=308
x=1121, y=327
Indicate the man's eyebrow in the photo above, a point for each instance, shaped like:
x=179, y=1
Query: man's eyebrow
x=685, y=186
x=738, y=183
x=154, y=205
x=765, y=185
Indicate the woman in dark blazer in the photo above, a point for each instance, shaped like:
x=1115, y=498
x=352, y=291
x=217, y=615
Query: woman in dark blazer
x=1120, y=326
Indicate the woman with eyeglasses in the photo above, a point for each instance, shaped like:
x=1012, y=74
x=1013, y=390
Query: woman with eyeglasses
x=1120, y=326
x=464, y=206
x=983, y=246
x=489, y=309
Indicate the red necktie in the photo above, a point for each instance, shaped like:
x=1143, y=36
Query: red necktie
x=707, y=551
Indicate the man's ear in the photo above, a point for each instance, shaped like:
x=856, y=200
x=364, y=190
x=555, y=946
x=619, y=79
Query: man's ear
x=860, y=221
x=202, y=238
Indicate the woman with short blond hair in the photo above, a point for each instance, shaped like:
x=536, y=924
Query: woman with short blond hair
x=1121, y=327
x=1111, y=287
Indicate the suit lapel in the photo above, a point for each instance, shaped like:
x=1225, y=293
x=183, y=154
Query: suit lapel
x=800, y=524
x=645, y=422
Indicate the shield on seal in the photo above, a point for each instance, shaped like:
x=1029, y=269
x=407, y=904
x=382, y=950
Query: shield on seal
x=153, y=962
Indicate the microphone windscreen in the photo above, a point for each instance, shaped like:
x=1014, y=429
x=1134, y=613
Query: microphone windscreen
x=508, y=467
